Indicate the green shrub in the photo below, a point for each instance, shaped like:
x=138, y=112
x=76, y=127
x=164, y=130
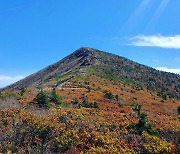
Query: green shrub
x=88, y=104
x=108, y=95
x=96, y=104
x=117, y=97
x=119, y=104
x=23, y=90
x=42, y=99
x=89, y=89
x=75, y=101
x=143, y=124
x=54, y=97
x=178, y=109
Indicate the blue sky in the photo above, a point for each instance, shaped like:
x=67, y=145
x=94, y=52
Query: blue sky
x=37, y=33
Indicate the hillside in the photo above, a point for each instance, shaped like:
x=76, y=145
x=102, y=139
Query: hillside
x=108, y=66
x=93, y=102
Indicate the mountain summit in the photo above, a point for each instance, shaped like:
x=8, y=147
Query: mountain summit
x=105, y=65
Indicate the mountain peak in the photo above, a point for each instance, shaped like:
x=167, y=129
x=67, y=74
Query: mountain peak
x=106, y=65
x=86, y=51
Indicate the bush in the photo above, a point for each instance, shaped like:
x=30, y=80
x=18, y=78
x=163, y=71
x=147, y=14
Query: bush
x=89, y=89
x=119, y=104
x=117, y=97
x=96, y=105
x=75, y=101
x=108, y=95
x=178, y=109
x=88, y=104
x=163, y=95
x=143, y=124
x=23, y=90
x=54, y=97
x=42, y=99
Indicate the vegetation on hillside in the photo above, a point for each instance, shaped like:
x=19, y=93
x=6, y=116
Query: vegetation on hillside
x=74, y=130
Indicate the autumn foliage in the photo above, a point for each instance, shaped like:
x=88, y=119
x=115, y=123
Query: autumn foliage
x=89, y=114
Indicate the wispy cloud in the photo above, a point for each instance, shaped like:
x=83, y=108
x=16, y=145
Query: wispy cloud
x=172, y=70
x=6, y=80
x=156, y=41
x=136, y=16
x=162, y=6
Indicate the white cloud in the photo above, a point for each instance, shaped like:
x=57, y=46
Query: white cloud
x=172, y=70
x=156, y=41
x=7, y=80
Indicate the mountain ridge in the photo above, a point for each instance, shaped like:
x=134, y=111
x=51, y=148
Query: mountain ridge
x=81, y=52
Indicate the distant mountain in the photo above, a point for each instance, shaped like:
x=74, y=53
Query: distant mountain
x=108, y=66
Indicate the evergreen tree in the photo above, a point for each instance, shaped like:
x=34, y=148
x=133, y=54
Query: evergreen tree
x=55, y=97
x=42, y=99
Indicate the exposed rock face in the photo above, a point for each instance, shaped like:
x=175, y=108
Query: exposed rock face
x=123, y=68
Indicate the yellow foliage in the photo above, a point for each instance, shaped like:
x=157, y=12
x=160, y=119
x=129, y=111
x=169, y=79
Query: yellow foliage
x=9, y=152
x=156, y=145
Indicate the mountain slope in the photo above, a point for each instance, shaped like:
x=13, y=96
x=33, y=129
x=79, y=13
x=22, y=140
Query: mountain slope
x=92, y=102
x=108, y=66
x=70, y=62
